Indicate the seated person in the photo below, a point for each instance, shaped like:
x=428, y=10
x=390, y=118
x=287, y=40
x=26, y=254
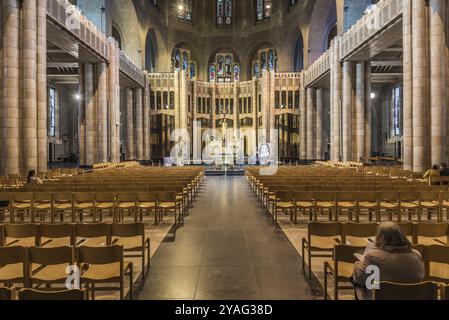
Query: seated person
x=392, y=253
x=33, y=178
x=434, y=172
x=444, y=170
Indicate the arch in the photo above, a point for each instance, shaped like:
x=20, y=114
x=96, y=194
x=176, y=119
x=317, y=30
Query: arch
x=117, y=35
x=254, y=50
x=150, y=51
x=332, y=32
x=298, y=55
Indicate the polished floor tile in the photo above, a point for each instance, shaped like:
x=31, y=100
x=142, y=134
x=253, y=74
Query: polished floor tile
x=227, y=249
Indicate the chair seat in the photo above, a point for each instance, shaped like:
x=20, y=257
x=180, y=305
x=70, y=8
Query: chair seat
x=305, y=204
x=345, y=270
x=129, y=243
x=430, y=204
x=409, y=204
x=22, y=206
x=23, y=242
x=126, y=205
x=62, y=206
x=146, y=205
x=285, y=205
x=50, y=273
x=94, y=242
x=103, y=272
x=105, y=205
x=84, y=206
x=42, y=206
x=167, y=205
x=11, y=272
x=326, y=243
x=445, y=203
x=347, y=204
x=55, y=242
x=388, y=205
x=325, y=204
x=365, y=204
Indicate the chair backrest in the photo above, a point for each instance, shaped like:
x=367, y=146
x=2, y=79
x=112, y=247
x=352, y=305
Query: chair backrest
x=128, y=229
x=21, y=231
x=431, y=230
x=105, y=197
x=358, y=233
x=304, y=196
x=65, y=295
x=344, y=255
x=389, y=196
x=13, y=255
x=346, y=196
x=100, y=255
x=409, y=229
x=146, y=196
x=43, y=197
x=438, y=263
x=367, y=196
x=62, y=196
x=5, y=294
x=84, y=197
x=166, y=196
x=126, y=196
x=22, y=196
x=93, y=230
x=398, y=291
x=324, y=229
x=285, y=196
x=324, y=196
x=51, y=256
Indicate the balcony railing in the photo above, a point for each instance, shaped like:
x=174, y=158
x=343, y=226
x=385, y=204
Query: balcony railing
x=130, y=69
x=317, y=69
x=69, y=17
x=381, y=15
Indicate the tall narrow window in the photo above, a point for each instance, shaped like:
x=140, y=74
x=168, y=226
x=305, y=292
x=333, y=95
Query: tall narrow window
x=52, y=101
x=397, y=105
x=224, y=12
x=185, y=10
x=263, y=9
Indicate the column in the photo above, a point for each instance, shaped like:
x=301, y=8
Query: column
x=114, y=100
x=139, y=124
x=130, y=124
x=347, y=111
x=438, y=85
x=213, y=105
x=89, y=96
x=81, y=117
x=102, y=113
x=303, y=123
x=41, y=83
x=235, y=98
x=310, y=124
x=336, y=102
x=146, y=120
x=10, y=86
x=420, y=83
x=319, y=144
x=28, y=100
x=368, y=111
x=360, y=91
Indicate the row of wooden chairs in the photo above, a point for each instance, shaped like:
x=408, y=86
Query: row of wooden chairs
x=356, y=204
x=110, y=165
x=129, y=235
x=100, y=268
x=41, y=204
x=436, y=261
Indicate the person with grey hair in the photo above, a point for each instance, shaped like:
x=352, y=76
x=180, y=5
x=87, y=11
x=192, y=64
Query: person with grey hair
x=393, y=254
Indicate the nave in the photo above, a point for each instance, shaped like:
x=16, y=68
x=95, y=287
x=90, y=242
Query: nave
x=228, y=249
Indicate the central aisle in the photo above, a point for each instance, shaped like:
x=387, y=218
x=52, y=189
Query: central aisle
x=228, y=249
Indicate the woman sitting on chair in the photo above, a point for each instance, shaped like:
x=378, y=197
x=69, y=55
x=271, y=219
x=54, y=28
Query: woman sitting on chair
x=33, y=178
x=393, y=255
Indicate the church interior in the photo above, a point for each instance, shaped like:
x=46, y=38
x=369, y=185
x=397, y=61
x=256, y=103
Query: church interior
x=224, y=150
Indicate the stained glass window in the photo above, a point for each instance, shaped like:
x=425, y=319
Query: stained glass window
x=397, y=104
x=263, y=9
x=185, y=61
x=224, y=12
x=52, y=101
x=256, y=70
x=185, y=10
x=192, y=70
x=236, y=72
x=212, y=72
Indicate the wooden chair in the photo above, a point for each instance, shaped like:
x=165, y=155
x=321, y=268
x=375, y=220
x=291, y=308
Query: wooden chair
x=429, y=201
x=437, y=263
x=105, y=201
x=56, y=235
x=21, y=204
x=431, y=233
x=358, y=234
x=304, y=204
x=82, y=202
x=320, y=242
x=126, y=202
x=42, y=206
x=5, y=205
x=389, y=204
x=400, y=291
x=63, y=295
x=13, y=266
x=167, y=203
x=105, y=265
x=92, y=235
x=25, y=235
x=135, y=243
x=444, y=204
x=285, y=202
x=345, y=202
x=445, y=292
x=324, y=201
x=147, y=201
x=367, y=201
x=409, y=203
x=341, y=269
x=48, y=266
x=62, y=205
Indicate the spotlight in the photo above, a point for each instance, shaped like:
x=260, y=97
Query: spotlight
x=180, y=7
x=373, y=95
x=77, y=96
x=268, y=6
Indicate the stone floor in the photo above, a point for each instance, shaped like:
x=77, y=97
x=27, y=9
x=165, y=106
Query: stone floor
x=228, y=249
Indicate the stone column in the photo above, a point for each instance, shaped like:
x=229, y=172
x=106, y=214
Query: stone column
x=41, y=83
x=10, y=88
x=368, y=111
x=310, y=128
x=347, y=110
x=360, y=91
x=146, y=121
x=303, y=123
x=438, y=82
x=408, y=84
x=130, y=155
x=235, y=97
x=319, y=146
x=28, y=100
x=114, y=100
x=420, y=86
x=102, y=113
x=184, y=100
x=89, y=96
x=81, y=117
x=139, y=124
x=213, y=105
x=336, y=74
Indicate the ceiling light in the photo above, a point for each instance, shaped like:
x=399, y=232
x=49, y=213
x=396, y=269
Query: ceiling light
x=373, y=95
x=77, y=96
x=180, y=7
